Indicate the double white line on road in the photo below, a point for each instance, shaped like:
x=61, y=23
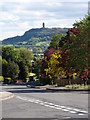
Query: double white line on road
x=55, y=106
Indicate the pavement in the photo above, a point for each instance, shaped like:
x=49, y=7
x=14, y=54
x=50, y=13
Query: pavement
x=6, y=95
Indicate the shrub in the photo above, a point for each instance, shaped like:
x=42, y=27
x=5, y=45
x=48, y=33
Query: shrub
x=1, y=79
x=37, y=82
x=7, y=80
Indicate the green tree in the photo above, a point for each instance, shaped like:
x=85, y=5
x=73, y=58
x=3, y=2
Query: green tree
x=55, y=41
x=12, y=70
x=26, y=54
x=8, y=53
x=16, y=55
x=79, y=49
x=15, y=59
x=37, y=65
x=25, y=63
x=23, y=71
x=4, y=67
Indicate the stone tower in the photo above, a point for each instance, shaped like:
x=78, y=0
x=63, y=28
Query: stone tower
x=43, y=25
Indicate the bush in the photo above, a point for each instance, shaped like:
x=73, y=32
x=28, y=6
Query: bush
x=75, y=86
x=1, y=79
x=7, y=80
x=37, y=82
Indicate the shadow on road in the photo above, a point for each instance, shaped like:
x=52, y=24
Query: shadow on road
x=31, y=91
x=22, y=89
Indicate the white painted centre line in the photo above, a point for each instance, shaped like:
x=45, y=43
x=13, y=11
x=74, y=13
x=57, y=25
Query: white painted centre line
x=52, y=105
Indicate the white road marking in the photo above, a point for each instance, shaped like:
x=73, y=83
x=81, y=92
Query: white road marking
x=76, y=110
x=36, y=102
x=80, y=114
x=65, y=110
x=67, y=117
x=57, y=105
x=41, y=103
x=47, y=105
x=46, y=102
x=84, y=112
x=52, y=105
x=58, y=108
x=62, y=106
x=72, y=112
x=69, y=108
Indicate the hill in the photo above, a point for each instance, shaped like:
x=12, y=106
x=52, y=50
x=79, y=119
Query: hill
x=35, y=38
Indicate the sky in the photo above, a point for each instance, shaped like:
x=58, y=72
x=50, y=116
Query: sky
x=18, y=16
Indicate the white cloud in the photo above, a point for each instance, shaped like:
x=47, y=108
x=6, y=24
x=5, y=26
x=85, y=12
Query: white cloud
x=2, y=24
x=24, y=26
x=60, y=23
x=29, y=1
x=5, y=16
x=10, y=34
x=18, y=16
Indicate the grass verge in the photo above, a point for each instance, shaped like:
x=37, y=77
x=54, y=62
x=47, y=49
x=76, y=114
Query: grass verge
x=75, y=86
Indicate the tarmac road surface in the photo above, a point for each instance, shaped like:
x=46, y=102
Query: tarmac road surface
x=41, y=103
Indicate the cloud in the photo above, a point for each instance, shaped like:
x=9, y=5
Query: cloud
x=10, y=34
x=6, y=16
x=18, y=16
x=29, y=1
x=24, y=26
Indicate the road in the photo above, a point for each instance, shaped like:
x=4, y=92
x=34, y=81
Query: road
x=40, y=103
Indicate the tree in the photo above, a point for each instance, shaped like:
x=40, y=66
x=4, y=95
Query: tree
x=23, y=71
x=78, y=47
x=48, y=53
x=55, y=70
x=37, y=65
x=55, y=41
x=12, y=70
x=15, y=59
x=24, y=62
x=4, y=68
x=25, y=54
x=8, y=53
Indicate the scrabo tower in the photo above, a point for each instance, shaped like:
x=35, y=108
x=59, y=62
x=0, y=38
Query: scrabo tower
x=43, y=25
